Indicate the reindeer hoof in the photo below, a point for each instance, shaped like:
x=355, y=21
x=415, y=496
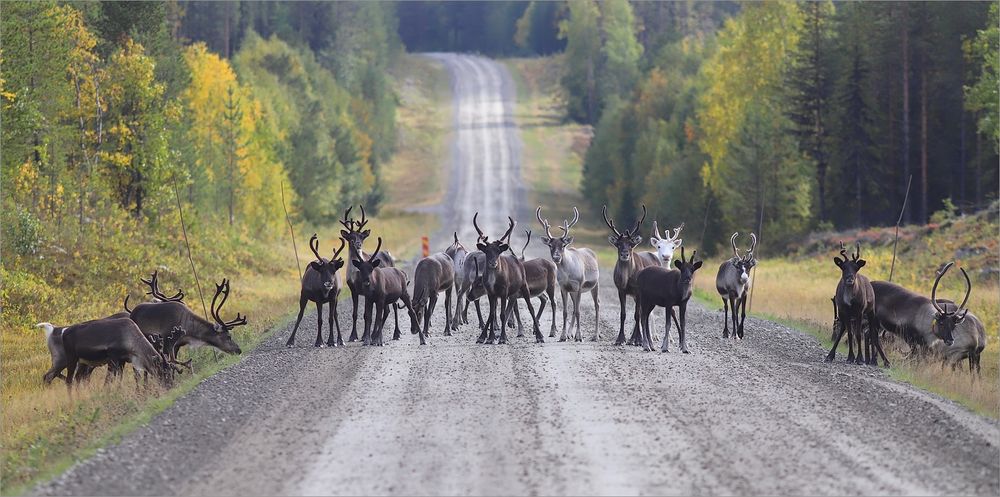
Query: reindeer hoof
x=664, y=350
x=552, y=334
x=828, y=359
x=289, y=344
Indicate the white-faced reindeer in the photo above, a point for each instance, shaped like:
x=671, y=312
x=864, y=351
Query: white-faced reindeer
x=733, y=284
x=665, y=247
x=382, y=287
x=321, y=284
x=355, y=239
x=504, y=280
x=667, y=288
x=161, y=317
x=627, y=266
x=433, y=274
x=856, y=303
x=930, y=323
x=577, y=272
x=540, y=276
x=99, y=342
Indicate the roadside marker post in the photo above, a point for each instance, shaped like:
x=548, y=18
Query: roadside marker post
x=426, y=245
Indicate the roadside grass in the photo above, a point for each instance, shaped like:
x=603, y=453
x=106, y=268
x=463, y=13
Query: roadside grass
x=43, y=430
x=794, y=290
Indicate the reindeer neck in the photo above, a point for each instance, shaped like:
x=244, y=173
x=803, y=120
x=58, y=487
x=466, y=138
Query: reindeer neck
x=196, y=326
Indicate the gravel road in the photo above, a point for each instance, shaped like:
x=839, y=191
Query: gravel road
x=761, y=416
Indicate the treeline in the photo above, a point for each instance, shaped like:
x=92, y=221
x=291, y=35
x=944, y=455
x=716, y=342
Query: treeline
x=810, y=115
x=108, y=107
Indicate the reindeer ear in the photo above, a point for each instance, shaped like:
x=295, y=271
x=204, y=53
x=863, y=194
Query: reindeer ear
x=365, y=233
x=837, y=261
x=678, y=242
x=356, y=263
x=677, y=263
x=376, y=262
x=481, y=247
x=568, y=240
x=504, y=247
x=697, y=265
x=654, y=241
x=344, y=233
x=546, y=240
x=636, y=240
x=861, y=263
x=613, y=239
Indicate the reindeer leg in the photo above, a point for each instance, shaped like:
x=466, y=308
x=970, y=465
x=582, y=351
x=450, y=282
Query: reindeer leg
x=622, y=299
x=366, y=339
x=534, y=318
x=319, y=324
x=665, y=346
x=734, y=313
x=431, y=304
x=725, y=319
x=483, y=326
x=840, y=334
x=302, y=309
x=873, y=331
x=743, y=314
x=395, y=316
x=562, y=337
x=354, y=312
x=447, y=313
x=577, y=296
x=597, y=313
x=516, y=311
x=682, y=327
x=491, y=323
x=335, y=321
x=644, y=325
x=505, y=310
x=381, y=314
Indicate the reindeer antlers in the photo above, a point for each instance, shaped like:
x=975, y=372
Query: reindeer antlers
x=377, y=248
x=154, y=289
x=347, y=222
x=968, y=291
x=544, y=222
x=337, y=252
x=635, y=229
x=476, y=224
x=512, y=223
x=314, y=245
x=483, y=237
x=732, y=241
x=223, y=290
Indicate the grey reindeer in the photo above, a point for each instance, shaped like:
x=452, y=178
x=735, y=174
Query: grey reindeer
x=540, y=276
x=382, y=287
x=578, y=272
x=504, y=280
x=355, y=235
x=458, y=253
x=433, y=274
x=733, y=284
x=321, y=284
x=628, y=264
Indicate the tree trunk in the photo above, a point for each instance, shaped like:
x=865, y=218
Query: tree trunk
x=906, y=106
x=923, y=146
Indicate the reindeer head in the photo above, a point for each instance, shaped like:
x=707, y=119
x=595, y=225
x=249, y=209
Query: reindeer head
x=493, y=249
x=367, y=267
x=687, y=267
x=849, y=268
x=665, y=247
x=354, y=235
x=326, y=269
x=557, y=246
x=746, y=262
x=627, y=241
x=222, y=339
x=948, y=318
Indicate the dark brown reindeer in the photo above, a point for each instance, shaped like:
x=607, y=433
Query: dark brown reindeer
x=99, y=342
x=355, y=235
x=504, y=280
x=931, y=323
x=382, y=287
x=320, y=284
x=540, y=276
x=161, y=317
x=733, y=284
x=668, y=288
x=627, y=266
x=856, y=303
x=433, y=274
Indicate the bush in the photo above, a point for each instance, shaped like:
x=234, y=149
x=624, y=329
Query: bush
x=23, y=232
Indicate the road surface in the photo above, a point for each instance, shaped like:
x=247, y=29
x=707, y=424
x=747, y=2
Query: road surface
x=762, y=416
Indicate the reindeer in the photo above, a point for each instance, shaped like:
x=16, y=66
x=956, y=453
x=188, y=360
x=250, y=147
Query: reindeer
x=355, y=239
x=665, y=247
x=540, y=276
x=668, y=288
x=733, y=283
x=457, y=252
x=930, y=323
x=320, y=284
x=433, y=274
x=627, y=266
x=382, y=287
x=577, y=272
x=504, y=280
x=99, y=342
x=160, y=318
x=856, y=302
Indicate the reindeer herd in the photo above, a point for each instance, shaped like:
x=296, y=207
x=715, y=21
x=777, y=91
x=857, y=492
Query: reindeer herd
x=150, y=335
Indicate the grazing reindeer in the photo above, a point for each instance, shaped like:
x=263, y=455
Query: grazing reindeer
x=433, y=274
x=320, y=284
x=577, y=272
x=355, y=239
x=660, y=286
x=665, y=247
x=504, y=280
x=856, y=302
x=99, y=342
x=382, y=287
x=540, y=276
x=626, y=267
x=926, y=322
x=161, y=317
x=733, y=283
